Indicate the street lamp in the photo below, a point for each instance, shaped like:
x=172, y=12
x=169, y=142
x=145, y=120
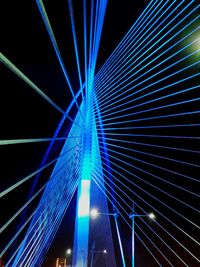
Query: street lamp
x=94, y=213
x=96, y=251
x=152, y=216
x=69, y=251
x=132, y=216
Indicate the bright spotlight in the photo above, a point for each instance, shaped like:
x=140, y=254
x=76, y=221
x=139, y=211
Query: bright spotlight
x=104, y=251
x=152, y=216
x=94, y=213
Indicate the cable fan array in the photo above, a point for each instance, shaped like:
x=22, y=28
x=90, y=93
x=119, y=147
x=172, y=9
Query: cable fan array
x=145, y=100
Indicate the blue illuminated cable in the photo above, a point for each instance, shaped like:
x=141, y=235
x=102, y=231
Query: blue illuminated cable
x=155, y=246
x=119, y=239
x=56, y=49
x=94, y=178
x=32, y=249
x=139, y=69
x=169, y=247
x=142, y=171
x=143, y=180
x=157, y=167
x=158, y=99
x=16, y=235
x=9, y=189
x=58, y=128
x=155, y=136
x=138, y=40
x=95, y=29
x=152, y=109
x=91, y=32
x=123, y=87
x=146, y=213
x=136, y=66
x=64, y=190
x=155, y=233
x=127, y=214
x=112, y=103
x=59, y=221
x=21, y=209
x=128, y=188
x=98, y=25
x=100, y=187
x=130, y=34
x=154, y=117
x=152, y=92
x=21, y=75
x=85, y=51
x=31, y=230
x=98, y=30
x=30, y=196
x=152, y=145
x=29, y=201
x=167, y=219
x=140, y=43
x=154, y=126
x=165, y=206
x=127, y=36
x=33, y=140
x=27, y=253
x=34, y=257
x=116, y=201
x=7, y=264
x=121, y=206
x=48, y=203
x=53, y=195
x=95, y=171
x=71, y=13
x=75, y=187
x=169, y=39
x=93, y=19
x=152, y=155
x=121, y=175
x=147, y=248
x=150, y=77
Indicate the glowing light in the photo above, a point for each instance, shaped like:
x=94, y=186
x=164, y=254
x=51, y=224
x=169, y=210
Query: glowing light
x=104, y=251
x=152, y=216
x=69, y=251
x=94, y=213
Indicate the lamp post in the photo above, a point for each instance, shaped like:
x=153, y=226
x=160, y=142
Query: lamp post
x=132, y=216
x=96, y=251
x=94, y=213
x=68, y=254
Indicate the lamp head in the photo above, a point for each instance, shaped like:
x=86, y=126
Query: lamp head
x=94, y=213
x=152, y=216
x=69, y=251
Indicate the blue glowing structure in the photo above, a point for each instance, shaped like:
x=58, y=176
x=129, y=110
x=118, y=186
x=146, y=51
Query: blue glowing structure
x=97, y=160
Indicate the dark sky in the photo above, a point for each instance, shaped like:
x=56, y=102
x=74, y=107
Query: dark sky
x=24, y=114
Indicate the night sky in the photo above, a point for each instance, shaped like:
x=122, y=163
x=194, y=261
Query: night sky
x=24, y=114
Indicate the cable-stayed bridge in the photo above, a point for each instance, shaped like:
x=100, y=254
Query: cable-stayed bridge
x=128, y=143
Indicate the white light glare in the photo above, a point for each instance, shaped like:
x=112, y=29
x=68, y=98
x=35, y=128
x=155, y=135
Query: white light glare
x=94, y=213
x=69, y=251
x=104, y=251
x=152, y=216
